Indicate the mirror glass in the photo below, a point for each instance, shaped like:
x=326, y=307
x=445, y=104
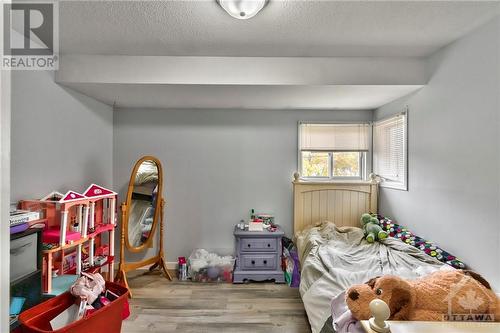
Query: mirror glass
x=143, y=203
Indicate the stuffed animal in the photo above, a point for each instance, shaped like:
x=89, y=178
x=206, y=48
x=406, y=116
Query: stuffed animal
x=442, y=295
x=371, y=226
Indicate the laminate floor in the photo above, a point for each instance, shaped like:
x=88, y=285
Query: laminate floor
x=159, y=305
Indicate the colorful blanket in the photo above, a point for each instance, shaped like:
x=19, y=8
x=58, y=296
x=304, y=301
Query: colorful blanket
x=400, y=232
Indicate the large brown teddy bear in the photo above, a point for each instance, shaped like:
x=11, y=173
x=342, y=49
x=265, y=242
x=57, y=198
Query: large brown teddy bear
x=459, y=294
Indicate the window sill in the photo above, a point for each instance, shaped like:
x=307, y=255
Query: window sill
x=336, y=179
x=394, y=186
x=316, y=181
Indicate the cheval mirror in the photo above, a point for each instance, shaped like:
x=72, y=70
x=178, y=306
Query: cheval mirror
x=141, y=213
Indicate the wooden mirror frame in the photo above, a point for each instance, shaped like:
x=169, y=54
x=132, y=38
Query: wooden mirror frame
x=128, y=203
x=158, y=261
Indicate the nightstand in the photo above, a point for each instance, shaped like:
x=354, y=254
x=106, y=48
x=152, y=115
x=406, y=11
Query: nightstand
x=258, y=256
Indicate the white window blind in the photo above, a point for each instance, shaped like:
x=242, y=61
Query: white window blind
x=334, y=137
x=389, y=151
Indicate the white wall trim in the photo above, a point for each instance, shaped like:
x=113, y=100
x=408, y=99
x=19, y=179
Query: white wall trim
x=5, y=86
x=171, y=265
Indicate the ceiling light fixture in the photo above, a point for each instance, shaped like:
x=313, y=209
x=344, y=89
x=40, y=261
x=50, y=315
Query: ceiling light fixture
x=242, y=9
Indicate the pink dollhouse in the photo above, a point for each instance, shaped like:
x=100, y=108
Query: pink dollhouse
x=72, y=235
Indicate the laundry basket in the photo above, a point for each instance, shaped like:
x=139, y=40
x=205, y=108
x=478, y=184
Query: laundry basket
x=107, y=319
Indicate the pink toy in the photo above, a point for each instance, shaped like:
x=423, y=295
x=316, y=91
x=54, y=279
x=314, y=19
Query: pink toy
x=75, y=222
x=53, y=236
x=88, y=286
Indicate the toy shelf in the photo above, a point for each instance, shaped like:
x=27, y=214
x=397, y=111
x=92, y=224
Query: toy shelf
x=93, y=269
x=74, y=224
x=53, y=286
x=67, y=246
x=99, y=230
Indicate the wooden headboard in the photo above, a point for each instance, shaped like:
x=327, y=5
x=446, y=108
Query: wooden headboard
x=341, y=202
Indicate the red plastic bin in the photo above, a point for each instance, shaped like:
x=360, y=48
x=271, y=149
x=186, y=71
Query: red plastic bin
x=107, y=319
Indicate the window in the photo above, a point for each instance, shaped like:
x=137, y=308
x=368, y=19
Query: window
x=315, y=164
x=390, y=151
x=333, y=151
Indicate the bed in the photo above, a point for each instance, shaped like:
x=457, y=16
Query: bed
x=332, y=251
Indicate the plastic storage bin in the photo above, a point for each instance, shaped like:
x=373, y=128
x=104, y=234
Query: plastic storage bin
x=204, y=266
x=107, y=319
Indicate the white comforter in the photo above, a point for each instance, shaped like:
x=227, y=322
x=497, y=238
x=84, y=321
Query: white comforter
x=332, y=259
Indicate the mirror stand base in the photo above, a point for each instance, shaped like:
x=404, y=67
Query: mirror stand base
x=162, y=266
x=155, y=262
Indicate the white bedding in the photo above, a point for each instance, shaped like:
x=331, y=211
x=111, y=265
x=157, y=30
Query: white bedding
x=332, y=259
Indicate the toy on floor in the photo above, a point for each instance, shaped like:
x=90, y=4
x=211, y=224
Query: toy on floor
x=204, y=266
x=442, y=295
x=371, y=227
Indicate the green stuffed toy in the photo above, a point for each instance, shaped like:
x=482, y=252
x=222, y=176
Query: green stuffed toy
x=371, y=227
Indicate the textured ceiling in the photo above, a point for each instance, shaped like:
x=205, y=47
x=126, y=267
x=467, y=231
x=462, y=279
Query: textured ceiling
x=283, y=28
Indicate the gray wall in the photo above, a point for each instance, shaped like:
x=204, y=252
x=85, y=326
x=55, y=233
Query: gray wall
x=453, y=195
x=217, y=166
x=60, y=139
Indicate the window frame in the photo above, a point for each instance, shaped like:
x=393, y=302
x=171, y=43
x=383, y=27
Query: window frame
x=365, y=158
x=387, y=183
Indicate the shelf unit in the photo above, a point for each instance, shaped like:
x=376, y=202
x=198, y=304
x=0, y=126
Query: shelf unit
x=61, y=283
x=29, y=285
x=90, y=215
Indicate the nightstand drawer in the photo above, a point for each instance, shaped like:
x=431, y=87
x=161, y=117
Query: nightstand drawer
x=258, y=244
x=258, y=261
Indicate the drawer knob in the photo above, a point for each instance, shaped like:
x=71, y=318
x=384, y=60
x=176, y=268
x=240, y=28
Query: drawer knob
x=248, y=245
x=268, y=245
x=253, y=262
x=265, y=262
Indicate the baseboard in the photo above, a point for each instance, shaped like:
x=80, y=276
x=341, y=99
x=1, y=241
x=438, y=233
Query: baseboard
x=171, y=265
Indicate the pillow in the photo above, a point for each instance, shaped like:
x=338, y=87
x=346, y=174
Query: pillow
x=397, y=231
